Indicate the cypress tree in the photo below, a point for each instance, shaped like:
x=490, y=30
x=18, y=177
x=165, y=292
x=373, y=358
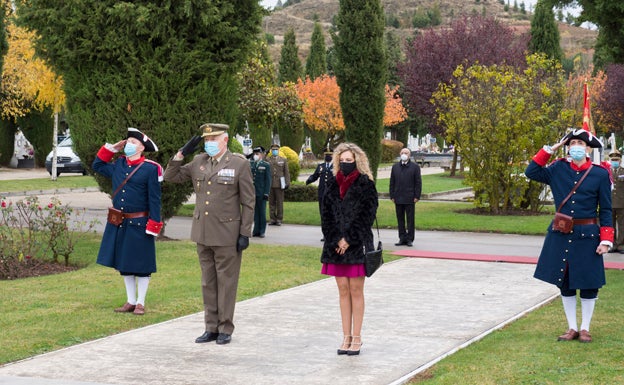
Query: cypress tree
x=316, y=64
x=544, y=32
x=361, y=72
x=162, y=67
x=289, y=65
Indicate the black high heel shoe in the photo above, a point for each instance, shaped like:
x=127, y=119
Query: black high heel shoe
x=351, y=351
x=346, y=342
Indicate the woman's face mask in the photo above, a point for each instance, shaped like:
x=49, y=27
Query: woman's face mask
x=347, y=168
x=577, y=152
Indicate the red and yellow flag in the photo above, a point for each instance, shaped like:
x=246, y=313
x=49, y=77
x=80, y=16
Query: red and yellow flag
x=588, y=125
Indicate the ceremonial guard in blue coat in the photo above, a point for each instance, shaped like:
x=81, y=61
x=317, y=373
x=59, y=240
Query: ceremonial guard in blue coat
x=574, y=261
x=129, y=247
x=324, y=173
x=261, y=172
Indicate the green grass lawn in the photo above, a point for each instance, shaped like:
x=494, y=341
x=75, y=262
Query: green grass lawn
x=448, y=216
x=526, y=351
x=46, y=184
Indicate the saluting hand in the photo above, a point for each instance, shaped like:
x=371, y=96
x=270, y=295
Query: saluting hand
x=119, y=146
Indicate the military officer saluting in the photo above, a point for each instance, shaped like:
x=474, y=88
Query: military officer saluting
x=221, y=223
x=617, y=199
x=261, y=172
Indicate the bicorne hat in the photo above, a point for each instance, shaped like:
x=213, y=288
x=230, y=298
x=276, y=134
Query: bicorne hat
x=583, y=135
x=149, y=144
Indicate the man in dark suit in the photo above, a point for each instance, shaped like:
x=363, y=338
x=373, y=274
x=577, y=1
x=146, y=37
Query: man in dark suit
x=221, y=227
x=405, y=190
x=323, y=173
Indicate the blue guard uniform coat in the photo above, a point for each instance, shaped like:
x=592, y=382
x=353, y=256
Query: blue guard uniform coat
x=324, y=173
x=128, y=248
x=575, y=251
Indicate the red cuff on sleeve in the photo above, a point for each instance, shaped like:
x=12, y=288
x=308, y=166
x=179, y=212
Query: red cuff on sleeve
x=105, y=154
x=542, y=157
x=607, y=233
x=153, y=227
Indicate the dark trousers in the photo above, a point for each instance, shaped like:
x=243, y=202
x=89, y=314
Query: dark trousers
x=220, y=267
x=259, y=216
x=405, y=214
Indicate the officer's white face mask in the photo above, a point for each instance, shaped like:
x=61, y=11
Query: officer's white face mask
x=256, y=158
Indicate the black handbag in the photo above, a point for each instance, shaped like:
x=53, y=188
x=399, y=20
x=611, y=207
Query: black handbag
x=374, y=258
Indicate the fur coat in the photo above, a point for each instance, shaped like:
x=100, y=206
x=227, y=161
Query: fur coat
x=351, y=218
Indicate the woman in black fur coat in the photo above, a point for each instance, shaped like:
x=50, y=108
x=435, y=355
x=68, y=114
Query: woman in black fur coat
x=348, y=213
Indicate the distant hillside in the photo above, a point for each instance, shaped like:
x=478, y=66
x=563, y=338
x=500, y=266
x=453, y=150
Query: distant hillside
x=301, y=18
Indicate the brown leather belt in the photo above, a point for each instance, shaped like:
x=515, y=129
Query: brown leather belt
x=585, y=221
x=135, y=215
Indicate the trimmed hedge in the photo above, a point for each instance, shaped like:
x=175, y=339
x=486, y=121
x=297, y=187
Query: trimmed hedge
x=298, y=192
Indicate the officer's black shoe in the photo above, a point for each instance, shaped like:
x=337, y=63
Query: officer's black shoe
x=400, y=243
x=621, y=251
x=261, y=235
x=207, y=337
x=409, y=244
x=223, y=339
x=278, y=223
x=272, y=223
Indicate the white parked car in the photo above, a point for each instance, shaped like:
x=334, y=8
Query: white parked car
x=66, y=160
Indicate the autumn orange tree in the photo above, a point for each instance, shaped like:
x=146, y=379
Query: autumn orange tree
x=28, y=86
x=322, y=112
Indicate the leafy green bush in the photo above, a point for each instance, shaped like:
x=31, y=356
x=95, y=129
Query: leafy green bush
x=301, y=193
x=293, y=161
x=390, y=149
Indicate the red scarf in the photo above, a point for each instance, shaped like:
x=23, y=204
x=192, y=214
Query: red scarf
x=345, y=182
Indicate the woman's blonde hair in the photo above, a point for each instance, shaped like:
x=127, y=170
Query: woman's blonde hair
x=361, y=160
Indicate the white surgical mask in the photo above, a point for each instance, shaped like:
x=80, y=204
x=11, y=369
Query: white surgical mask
x=212, y=148
x=256, y=158
x=404, y=157
x=130, y=149
x=577, y=152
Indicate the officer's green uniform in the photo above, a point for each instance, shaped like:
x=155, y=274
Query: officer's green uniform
x=261, y=171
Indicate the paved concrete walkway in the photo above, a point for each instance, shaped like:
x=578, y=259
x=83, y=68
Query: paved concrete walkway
x=417, y=312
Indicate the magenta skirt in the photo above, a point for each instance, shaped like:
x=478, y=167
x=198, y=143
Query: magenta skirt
x=342, y=270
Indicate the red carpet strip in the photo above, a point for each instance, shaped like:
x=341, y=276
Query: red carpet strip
x=483, y=257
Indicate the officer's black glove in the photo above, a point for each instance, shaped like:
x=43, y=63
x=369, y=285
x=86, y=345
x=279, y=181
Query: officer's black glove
x=242, y=243
x=266, y=197
x=191, y=145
